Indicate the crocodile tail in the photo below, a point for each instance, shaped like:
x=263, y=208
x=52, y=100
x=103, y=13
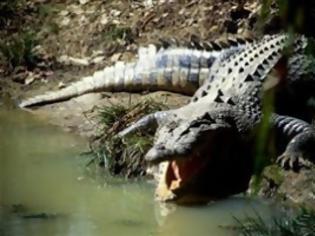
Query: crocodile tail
x=163, y=70
x=85, y=85
x=180, y=70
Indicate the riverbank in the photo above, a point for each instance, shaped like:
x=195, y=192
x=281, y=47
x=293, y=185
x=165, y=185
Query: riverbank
x=65, y=41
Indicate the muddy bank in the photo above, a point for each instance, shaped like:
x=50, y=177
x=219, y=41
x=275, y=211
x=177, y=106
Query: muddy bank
x=81, y=115
x=292, y=188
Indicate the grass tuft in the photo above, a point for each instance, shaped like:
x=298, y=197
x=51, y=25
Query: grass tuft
x=124, y=157
x=8, y=8
x=114, y=32
x=19, y=50
x=303, y=224
x=110, y=114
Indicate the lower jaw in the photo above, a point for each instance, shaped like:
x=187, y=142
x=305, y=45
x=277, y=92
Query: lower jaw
x=164, y=194
x=181, y=193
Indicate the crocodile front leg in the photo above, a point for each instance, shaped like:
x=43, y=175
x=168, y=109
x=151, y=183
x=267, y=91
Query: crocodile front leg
x=300, y=151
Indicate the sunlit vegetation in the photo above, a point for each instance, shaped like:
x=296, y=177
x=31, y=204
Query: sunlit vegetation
x=113, y=32
x=124, y=156
x=8, y=7
x=19, y=50
x=301, y=224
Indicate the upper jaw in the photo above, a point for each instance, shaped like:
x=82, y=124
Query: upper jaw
x=159, y=153
x=182, y=177
x=176, y=183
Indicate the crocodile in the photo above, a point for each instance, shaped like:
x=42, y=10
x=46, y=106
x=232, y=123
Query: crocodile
x=170, y=66
x=214, y=134
x=205, y=149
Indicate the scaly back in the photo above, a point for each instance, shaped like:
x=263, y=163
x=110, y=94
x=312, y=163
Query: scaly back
x=231, y=77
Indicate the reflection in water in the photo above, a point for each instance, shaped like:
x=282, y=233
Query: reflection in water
x=45, y=189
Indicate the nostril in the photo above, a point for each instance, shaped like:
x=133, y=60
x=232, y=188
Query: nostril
x=161, y=147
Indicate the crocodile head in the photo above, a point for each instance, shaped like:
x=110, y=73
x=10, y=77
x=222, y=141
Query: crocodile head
x=196, y=159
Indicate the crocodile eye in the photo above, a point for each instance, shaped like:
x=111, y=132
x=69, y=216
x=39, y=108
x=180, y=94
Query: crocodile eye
x=171, y=126
x=200, y=122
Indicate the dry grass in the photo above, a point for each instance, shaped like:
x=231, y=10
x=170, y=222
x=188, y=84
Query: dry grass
x=124, y=157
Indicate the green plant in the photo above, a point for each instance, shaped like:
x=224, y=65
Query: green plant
x=9, y=6
x=8, y=9
x=302, y=224
x=124, y=156
x=114, y=32
x=110, y=114
x=18, y=50
x=47, y=12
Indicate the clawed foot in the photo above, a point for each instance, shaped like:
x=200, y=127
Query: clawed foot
x=300, y=152
x=294, y=161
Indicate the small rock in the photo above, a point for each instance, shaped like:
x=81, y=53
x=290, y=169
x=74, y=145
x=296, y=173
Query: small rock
x=98, y=59
x=61, y=85
x=148, y=3
x=19, y=77
x=79, y=61
x=77, y=10
x=63, y=13
x=182, y=11
x=116, y=22
x=255, y=6
x=29, y=79
x=83, y=2
x=240, y=31
x=64, y=59
x=104, y=19
x=97, y=53
x=115, y=12
x=115, y=57
x=65, y=21
x=83, y=20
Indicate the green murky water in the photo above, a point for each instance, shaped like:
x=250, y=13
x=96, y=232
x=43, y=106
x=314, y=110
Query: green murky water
x=45, y=189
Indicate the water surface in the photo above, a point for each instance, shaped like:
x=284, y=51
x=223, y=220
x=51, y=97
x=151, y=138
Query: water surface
x=46, y=189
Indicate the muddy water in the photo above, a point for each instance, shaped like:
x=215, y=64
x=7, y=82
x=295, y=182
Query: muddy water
x=45, y=189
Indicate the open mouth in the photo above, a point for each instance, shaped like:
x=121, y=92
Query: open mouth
x=176, y=175
x=206, y=172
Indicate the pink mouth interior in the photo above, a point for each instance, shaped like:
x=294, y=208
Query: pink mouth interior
x=181, y=172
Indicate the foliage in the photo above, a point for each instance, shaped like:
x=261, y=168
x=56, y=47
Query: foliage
x=124, y=156
x=114, y=32
x=7, y=7
x=289, y=14
x=109, y=114
x=293, y=16
x=8, y=10
x=19, y=50
x=47, y=13
x=303, y=224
